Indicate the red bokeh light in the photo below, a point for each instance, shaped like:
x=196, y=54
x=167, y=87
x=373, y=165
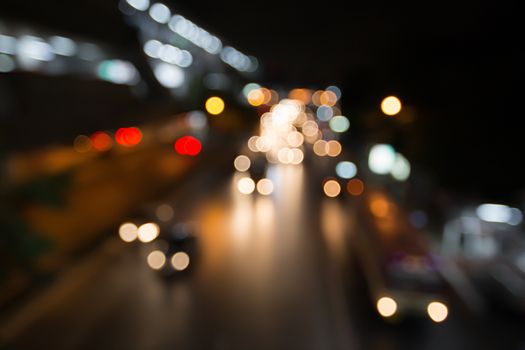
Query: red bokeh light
x=101, y=141
x=128, y=136
x=188, y=145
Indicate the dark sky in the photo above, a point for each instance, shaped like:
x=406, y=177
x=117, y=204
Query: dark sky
x=459, y=64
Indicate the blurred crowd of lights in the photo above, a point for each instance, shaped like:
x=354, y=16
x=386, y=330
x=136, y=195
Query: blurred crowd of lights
x=290, y=126
x=186, y=29
x=149, y=232
x=48, y=55
x=168, y=53
x=499, y=213
x=118, y=72
x=101, y=141
x=383, y=159
x=238, y=60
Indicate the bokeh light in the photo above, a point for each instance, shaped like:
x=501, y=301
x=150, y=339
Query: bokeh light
x=386, y=306
x=401, y=168
x=333, y=148
x=332, y=188
x=188, y=145
x=128, y=137
x=335, y=90
x=242, y=163
x=214, y=105
x=381, y=158
x=339, y=124
x=101, y=141
x=180, y=261
x=265, y=186
x=148, y=232
x=328, y=98
x=355, y=187
x=164, y=212
x=252, y=143
x=320, y=148
x=249, y=87
x=438, y=312
x=128, y=232
x=324, y=113
x=303, y=95
x=256, y=97
x=391, y=105
x=82, y=144
x=295, y=139
x=169, y=75
x=346, y=170
x=380, y=207
x=246, y=185
x=156, y=260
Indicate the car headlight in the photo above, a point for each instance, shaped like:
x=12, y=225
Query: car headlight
x=386, y=306
x=437, y=311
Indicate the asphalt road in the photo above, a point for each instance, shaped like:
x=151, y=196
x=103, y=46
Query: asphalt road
x=272, y=272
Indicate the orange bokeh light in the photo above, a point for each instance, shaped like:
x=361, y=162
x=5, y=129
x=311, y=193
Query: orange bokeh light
x=355, y=187
x=100, y=141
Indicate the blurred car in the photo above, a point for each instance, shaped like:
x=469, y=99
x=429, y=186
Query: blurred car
x=489, y=247
x=402, y=274
x=175, y=251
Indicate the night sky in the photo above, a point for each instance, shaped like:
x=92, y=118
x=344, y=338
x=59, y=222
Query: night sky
x=459, y=65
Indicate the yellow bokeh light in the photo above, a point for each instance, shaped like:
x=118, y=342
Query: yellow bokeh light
x=303, y=95
x=320, y=148
x=310, y=128
x=255, y=97
x=252, y=143
x=267, y=95
x=333, y=148
x=295, y=139
x=246, y=185
x=265, y=187
x=332, y=188
x=438, y=312
x=215, y=105
x=386, y=306
x=148, y=232
x=180, y=261
x=316, y=97
x=242, y=163
x=391, y=105
x=328, y=98
x=295, y=156
x=156, y=259
x=380, y=207
x=128, y=232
